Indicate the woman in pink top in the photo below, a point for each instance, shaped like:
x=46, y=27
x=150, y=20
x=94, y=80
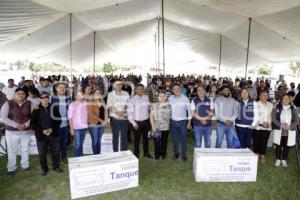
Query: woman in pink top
x=78, y=120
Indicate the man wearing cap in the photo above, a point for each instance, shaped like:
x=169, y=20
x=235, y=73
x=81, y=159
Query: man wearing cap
x=226, y=112
x=117, y=101
x=16, y=115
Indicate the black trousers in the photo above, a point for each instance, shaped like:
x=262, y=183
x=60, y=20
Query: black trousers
x=160, y=144
x=119, y=128
x=282, y=150
x=260, y=141
x=144, y=128
x=43, y=145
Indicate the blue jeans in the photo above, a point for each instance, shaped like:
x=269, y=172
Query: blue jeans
x=200, y=131
x=179, y=128
x=228, y=131
x=96, y=135
x=244, y=135
x=79, y=136
x=63, y=141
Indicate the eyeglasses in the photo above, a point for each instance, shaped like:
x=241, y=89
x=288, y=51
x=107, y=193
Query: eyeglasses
x=44, y=97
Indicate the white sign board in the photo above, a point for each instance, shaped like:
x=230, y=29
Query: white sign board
x=97, y=174
x=225, y=165
x=106, y=143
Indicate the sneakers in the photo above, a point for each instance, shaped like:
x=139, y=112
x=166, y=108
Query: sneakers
x=277, y=163
x=28, y=169
x=58, y=170
x=281, y=162
x=284, y=163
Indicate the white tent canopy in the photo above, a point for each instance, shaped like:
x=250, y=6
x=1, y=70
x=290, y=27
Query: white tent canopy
x=41, y=29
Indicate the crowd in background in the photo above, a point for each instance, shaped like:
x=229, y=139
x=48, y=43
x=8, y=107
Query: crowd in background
x=54, y=108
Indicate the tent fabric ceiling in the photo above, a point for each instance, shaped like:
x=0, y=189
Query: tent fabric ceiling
x=40, y=28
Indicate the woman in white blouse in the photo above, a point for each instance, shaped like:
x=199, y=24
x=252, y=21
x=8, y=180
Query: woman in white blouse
x=262, y=131
x=284, y=124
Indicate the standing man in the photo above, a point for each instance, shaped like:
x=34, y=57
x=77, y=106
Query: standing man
x=9, y=90
x=117, y=101
x=226, y=113
x=62, y=101
x=202, y=112
x=16, y=116
x=138, y=115
x=181, y=115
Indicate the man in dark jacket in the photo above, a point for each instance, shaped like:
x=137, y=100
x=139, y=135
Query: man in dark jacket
x=45, y=121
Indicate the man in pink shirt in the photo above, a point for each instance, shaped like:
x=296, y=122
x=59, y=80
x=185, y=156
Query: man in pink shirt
x=138, y=115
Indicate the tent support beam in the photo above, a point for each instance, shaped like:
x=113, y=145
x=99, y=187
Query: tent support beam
x=94, y=56
x=158, y=45
x=248, y=46
x=220, y=55
x=71, y=61
x=163, y=36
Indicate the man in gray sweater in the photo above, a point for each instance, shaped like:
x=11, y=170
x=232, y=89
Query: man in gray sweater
x=226, y=112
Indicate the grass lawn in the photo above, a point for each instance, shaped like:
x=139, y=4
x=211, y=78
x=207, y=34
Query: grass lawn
x=163, y=179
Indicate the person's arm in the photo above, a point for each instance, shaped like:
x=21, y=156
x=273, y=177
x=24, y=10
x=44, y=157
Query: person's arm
x=188, y=107
x=130, y=112
x=152, y=114
x=34, y=121
x=218, y=111
x=4, y=116
x=294, y=124
x=255, y=117
x=274, y=120
x=235, y=111
x=70, y=118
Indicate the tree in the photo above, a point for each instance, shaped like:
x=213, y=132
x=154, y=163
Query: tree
x=264, y=70
x=295, y=67
x=109, y=68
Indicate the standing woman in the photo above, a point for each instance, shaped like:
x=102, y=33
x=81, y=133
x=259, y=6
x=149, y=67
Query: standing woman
x=160, y=115
x=78, y=120
x=262, y=131
x=97, y=117
x=284, y=124
x=247, y=118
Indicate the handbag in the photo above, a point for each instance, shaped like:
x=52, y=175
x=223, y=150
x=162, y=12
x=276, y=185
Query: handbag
x=154, y=134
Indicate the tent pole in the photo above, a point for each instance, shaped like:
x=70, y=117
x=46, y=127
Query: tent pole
x=248, y=46
x=71, y=62
x=155, y=52
x=163, y=36
x=220, y=55
x=94, y=56
x=158, y=46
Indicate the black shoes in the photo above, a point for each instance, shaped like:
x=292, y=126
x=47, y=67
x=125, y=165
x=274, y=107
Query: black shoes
x=11, y=173
x=176, y=156
x=44, y=172
x=28, y=169
x=58, y=170
x=148, y=156
x=184, y=159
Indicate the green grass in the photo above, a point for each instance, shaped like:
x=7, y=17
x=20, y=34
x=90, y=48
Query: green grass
x=163, y=179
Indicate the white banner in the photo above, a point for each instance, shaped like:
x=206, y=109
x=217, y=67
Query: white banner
x=97, y=174
x=225, y=165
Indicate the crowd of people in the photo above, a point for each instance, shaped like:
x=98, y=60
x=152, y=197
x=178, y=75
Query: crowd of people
x=58, y=110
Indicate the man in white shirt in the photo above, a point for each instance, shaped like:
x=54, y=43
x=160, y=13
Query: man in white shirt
x=117, y=101
x=9, y=90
